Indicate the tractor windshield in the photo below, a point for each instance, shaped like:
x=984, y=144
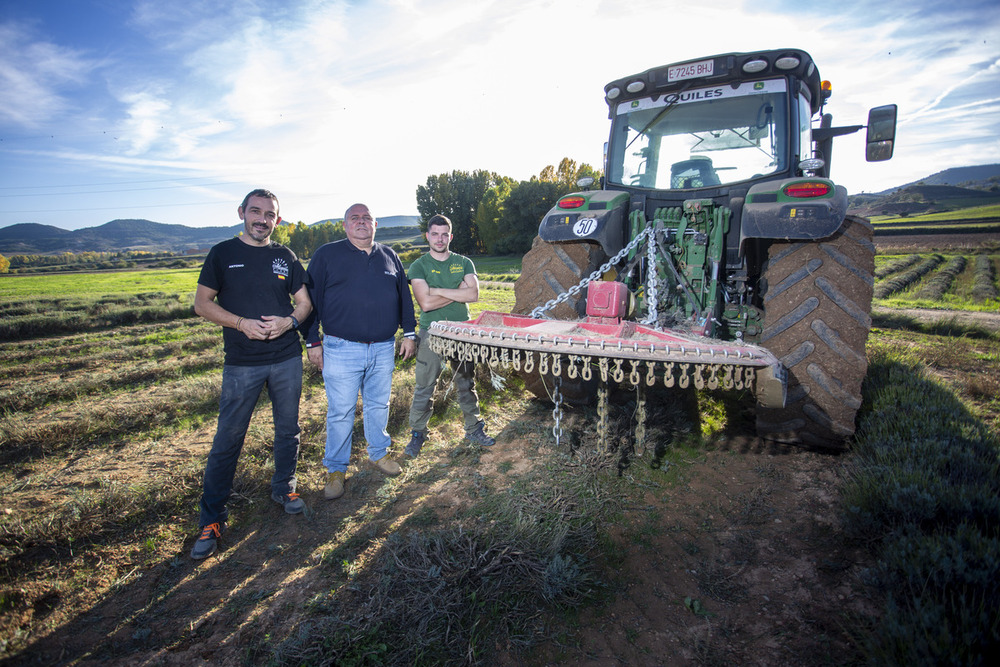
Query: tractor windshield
x=701, y=138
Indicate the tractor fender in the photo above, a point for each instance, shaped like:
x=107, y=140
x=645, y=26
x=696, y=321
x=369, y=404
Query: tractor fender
x=769, y=214
x=601, y=219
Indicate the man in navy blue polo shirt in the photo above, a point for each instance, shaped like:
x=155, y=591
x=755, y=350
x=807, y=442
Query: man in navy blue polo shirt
x=360, y=296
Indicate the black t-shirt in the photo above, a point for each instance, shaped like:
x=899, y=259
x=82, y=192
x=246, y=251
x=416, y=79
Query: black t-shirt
x=253, y=281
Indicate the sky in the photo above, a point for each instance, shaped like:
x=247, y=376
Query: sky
x=172, y=111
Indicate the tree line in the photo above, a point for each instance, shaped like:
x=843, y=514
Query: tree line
x=496, y=215
x=490, y=214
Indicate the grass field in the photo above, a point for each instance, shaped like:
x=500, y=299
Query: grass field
x=108, y=395
x=991, y=212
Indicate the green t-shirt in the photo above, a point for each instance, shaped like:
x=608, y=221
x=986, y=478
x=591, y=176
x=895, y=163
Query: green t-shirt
x=448, y=274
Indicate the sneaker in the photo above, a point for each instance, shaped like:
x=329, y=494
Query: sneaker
x=478, y=436
x=292, y=503
x=386, y=466
x=334, y=485
x=205, y=544
x=416, y=443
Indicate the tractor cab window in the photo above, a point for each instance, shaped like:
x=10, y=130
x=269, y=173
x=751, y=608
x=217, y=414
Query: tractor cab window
x=701, y=138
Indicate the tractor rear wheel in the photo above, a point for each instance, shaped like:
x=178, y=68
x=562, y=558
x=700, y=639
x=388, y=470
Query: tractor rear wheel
x=817, y=307
x=548, y=270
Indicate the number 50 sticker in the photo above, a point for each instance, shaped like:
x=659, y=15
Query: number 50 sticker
x=585, y=226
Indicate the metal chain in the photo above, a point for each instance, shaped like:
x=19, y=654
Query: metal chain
x=602, y=417
x=640, y=418
x=575, y=289
x=557, y=410
x=651, y=290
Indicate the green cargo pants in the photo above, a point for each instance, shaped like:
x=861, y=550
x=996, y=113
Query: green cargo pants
x=429, y=366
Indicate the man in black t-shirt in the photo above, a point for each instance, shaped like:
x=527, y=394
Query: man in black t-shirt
x=256, y=290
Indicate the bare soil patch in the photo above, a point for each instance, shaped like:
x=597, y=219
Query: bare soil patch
x=733, y=556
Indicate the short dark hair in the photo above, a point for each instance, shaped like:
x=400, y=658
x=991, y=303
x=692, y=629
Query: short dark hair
x=259, y=192
x=439, y=220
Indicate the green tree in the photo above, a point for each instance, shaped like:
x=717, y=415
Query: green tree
x=568, y=173
x=281, y=234
x=489, y=213
x=298, y=239
x=456, y=195
x=4, y=264
x=529, y=201
x=523, y=210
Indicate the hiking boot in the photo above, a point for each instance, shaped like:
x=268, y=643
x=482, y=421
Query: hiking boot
x=478, y=436
x=334, y=485
x=416, y=443
x=292, y=503
x=386, y=466
x=205, y=545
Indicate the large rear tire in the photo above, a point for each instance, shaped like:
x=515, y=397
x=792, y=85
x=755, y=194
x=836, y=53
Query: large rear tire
x=817, y=309
x=548, y=270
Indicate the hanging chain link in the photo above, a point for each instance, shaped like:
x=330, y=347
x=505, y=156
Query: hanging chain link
x=557, y=410
x=576, y=289
x=640, y=419
x=652, y=297
x=603, y=424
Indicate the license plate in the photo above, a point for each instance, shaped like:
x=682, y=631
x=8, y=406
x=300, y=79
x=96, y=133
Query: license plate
x=691, y=70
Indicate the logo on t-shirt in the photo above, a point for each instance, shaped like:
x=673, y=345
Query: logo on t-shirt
x=280, y=268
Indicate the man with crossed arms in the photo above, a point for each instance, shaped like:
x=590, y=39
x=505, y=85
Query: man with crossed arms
x=443, y=283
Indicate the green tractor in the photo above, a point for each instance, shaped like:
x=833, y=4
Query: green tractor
x=715, y=225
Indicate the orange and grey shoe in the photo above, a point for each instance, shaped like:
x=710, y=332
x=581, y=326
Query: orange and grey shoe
x=206, y=542
x=292, y=503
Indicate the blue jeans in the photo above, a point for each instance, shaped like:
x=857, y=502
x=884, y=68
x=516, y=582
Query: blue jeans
x=348, y=368
x=241, y=387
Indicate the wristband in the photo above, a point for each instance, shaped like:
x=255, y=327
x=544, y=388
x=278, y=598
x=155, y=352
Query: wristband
x=316, y=344
x=295, y=322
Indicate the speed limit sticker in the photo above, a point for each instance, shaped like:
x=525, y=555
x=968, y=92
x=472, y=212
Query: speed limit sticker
x=585, y=226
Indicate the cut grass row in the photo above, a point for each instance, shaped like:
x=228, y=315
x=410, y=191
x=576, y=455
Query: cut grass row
x=933, y=280
x=549, y=521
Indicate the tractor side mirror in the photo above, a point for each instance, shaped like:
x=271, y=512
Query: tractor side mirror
x=881, y=133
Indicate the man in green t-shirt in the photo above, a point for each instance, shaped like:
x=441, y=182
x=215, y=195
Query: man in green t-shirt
x=443, y=283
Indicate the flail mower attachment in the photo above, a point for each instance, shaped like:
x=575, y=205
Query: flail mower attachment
x=619, y=352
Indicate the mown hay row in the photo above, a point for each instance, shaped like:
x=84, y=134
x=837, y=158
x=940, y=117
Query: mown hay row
x=939, y=284
x=896, y=266
x=985, y=279
x=899, y=283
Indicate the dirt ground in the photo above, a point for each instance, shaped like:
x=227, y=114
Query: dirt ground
x=739, y=561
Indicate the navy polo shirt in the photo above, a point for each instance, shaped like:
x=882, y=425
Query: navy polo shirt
x=358, y=296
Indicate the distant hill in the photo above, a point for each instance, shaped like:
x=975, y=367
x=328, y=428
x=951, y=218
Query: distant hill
x=948, y=190
x=983, y=176
x=388, y=221
x=29, y=238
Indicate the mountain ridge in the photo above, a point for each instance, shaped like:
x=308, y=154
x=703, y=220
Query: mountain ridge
x=941, y=191
x=29, y=238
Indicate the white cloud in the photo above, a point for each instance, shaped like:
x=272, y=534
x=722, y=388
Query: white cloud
x=36, y=77
x=330, y=102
